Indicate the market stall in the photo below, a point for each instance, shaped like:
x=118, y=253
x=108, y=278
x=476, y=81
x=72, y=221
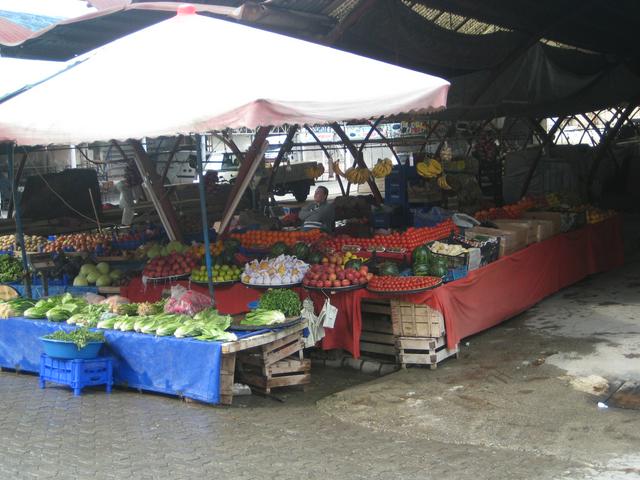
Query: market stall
x=498, y=291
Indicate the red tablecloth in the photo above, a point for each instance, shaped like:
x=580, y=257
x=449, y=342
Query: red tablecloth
x=498, y=291
x=229, y=300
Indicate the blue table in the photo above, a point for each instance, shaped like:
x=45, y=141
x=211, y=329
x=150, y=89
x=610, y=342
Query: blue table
x=176, y=366
x=185, y=367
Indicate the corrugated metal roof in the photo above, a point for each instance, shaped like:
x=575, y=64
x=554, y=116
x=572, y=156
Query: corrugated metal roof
x=452, y=21
x=12, y=32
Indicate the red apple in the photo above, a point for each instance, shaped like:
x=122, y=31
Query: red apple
x=327, y=284
x=337, y=283
x=345, y=283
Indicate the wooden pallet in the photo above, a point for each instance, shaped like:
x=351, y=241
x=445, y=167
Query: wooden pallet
x=276, y=364
x=377, y=335
x=423, y=351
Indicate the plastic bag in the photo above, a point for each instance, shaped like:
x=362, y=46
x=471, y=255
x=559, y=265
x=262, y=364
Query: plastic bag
x=186, y=302
x=115, y=301
x=93, y=299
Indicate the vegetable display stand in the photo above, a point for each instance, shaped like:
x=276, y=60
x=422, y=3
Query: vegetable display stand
x=423, y=351
x=277, y=364
x=78, y=373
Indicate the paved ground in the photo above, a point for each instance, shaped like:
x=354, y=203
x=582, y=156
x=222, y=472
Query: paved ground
x=521, y=402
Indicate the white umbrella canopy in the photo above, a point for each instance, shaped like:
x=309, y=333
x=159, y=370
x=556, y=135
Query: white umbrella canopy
x=16, y=73
x=194, y=74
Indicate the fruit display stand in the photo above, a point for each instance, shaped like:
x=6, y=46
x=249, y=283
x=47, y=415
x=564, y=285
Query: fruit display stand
x=491, y=294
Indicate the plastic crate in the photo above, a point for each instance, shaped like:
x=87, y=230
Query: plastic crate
x=77, y=373
x=455, y=274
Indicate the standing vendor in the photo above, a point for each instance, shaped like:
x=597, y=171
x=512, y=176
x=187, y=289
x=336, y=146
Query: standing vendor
x=319, y=214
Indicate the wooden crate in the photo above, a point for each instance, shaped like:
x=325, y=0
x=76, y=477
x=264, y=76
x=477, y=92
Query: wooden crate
x=377, y=335
x=276, y=364
x=423, y=351
x=413, y=320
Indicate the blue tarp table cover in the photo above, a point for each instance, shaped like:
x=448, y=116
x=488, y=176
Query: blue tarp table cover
x=37, y=291
x=176, y=366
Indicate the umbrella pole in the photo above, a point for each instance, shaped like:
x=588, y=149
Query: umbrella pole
x=203, y=211
x=19, y=231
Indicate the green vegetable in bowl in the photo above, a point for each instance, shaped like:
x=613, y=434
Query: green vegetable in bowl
x=80, y=336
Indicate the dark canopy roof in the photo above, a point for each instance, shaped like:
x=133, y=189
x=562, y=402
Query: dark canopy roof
x=532, y=57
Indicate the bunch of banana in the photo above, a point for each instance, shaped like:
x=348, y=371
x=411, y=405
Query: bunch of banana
x=446, y=154
x=316, y=171
x=382, y=168
x=442, y=183
x=336, y=169
x=357, y=175
x=429, y=169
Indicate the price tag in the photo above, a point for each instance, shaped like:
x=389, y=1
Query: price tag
x=331, y=313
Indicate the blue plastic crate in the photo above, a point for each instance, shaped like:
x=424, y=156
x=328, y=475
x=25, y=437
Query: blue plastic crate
x=455, y=274
x=77, y=373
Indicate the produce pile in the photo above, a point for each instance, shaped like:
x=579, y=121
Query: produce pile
x=57, y=308
x=334, y=275
x=80, y=242
x=264, y=239
x=409, y=239
x=282, y=270
x=220, y=273
x=10, y=268
x=402, y=284
x=596, y=215
x=15, y=307
x=33, y=243
x=171, y=265
x=99, y=275
x=281, y=299
x=508, y=211
x=261, y=317
x=80, y=336
x=207, y=324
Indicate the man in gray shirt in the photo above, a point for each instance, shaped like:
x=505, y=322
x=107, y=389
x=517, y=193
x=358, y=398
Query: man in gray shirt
x=319, y=214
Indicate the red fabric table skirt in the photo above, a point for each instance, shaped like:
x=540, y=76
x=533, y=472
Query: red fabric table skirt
x=230, y=300
x=501, y=290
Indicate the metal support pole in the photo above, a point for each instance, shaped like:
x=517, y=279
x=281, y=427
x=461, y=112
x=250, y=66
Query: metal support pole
x=326, y=152
x=203, y=210
x=19, y=231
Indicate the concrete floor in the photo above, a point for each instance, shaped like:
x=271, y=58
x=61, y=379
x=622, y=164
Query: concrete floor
x=520, y=403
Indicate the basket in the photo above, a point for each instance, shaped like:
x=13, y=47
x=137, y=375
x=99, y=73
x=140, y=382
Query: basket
x=415, y=320
x=69, y=350
x=489, y=249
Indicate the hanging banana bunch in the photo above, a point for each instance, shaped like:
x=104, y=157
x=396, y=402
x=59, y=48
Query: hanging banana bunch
x=336, y=169
x=315, y=171
x=357, y=175
x=446, y=154
x=429, y=168
x=382, y=168
x=442, y=183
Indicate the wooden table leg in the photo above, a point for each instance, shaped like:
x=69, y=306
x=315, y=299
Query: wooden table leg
x=227, y=371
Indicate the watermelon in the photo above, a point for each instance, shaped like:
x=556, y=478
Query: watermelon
x=421, y=255
x=354, y=263
x=315, y=257
x=278, y=248
x=420, y=270
x=231, y=245
x=301, y=250
x=388, y=269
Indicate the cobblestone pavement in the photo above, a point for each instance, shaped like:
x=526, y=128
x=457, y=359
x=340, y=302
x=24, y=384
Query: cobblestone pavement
x=49, y=434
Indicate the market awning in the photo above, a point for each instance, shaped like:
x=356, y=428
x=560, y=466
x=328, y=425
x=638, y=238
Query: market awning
x=196, y=74
x=17, y=73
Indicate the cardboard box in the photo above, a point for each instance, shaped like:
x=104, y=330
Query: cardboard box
x=509, y=242
x=544, y=229
x=526, y=228
x=555, y=217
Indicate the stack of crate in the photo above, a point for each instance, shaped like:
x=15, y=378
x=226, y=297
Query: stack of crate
x=277, y=364
x=414, y=334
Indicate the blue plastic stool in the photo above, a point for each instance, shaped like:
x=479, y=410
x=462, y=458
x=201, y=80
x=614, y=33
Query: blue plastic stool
x=76, y=373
